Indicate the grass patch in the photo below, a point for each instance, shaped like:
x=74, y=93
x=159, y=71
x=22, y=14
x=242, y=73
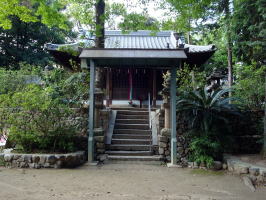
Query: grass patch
x=207, y=172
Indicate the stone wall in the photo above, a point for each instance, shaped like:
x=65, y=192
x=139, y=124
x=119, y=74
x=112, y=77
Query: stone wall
x=99, y=133
x=164, y=140
x=247, y=131
x=37, y=161
x=257, y=174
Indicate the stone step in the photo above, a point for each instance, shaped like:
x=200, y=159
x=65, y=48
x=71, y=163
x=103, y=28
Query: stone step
x=131, y=112
x=129, y=153
x=131, y=108
x=135, y=158
x=134, y=162
x=122, y=116
x=131, y=136
x=132, y=126
x=130, y=141
x=132, y=131
x=132, y=121
x=129, y=147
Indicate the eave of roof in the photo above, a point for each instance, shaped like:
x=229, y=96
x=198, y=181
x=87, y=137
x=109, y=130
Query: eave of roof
x=133, y=53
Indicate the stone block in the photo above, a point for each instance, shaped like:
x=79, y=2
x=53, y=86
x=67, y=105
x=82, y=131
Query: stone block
x=98, y=132
x=35, y=158
x=51, y=159
x=8, y=157
x=162, y=144
x=166, y=132
x=100, y=151
x=224, y=166
x=58, y=164
x=61, y=158
x=254, y=171
x=263, y=173
x=102, y=157
x=240, y=169
x=42, y=159
x=23, y=165
x=163, y=139
x=16, y=156
x=161, y=151
x=167, y=153
x=190, y=164
x=217, y=165
x=261, y=179
x=27, y=158
x=99, y=139
x=100, y=145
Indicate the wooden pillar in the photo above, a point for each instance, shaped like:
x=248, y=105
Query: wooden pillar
x=108, y=87
x=173, y=116
x=91, y=114
x=154, y=88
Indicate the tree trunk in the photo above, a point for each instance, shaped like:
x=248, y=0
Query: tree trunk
x=229, y=45
x=264, y=138
x=99, y=72
x=100, y=21
x=99, y=40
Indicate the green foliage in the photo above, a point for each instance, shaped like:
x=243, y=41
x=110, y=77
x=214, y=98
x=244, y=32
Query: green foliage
x=24, y=42
x=250, y=85
x=2, y=161
x=35, y=107
x=188, y=79
x=12, y=80
x=135, y=21
x=37, y=121
x=70, y=88
x=70, y=50
x=249, y=25
x=206, y=110
x=187, y=11
x=207, y=114
x=44, y=11
x=204, y=150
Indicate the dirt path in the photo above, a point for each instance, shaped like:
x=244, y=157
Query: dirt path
x=122, y=182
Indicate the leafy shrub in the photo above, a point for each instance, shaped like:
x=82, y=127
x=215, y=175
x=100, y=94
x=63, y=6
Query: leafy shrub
x=207, y=113
x=250, y=85
x=204, y=150
x=37, y=121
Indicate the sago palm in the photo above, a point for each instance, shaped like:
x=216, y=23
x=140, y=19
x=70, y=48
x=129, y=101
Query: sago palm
x=206, y=110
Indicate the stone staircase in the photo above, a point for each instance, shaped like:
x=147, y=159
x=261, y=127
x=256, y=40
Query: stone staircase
x=132, y=137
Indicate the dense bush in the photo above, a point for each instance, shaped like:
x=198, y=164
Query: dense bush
x=250, y=85
x=207, y=113
x=35, y=105
x=37, y=121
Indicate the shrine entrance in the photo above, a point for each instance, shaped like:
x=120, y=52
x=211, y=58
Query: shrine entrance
x=133, y=85
x=157, y=59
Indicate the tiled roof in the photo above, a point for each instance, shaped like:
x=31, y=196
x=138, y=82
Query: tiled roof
x=141, y=40
x=199, y=49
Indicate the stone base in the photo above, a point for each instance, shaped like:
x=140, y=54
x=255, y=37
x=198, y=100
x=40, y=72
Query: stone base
x=171, y=165
x=94, y=163
x=37, y=161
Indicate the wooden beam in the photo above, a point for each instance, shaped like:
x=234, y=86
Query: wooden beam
x=91, y=114
x=173, y=116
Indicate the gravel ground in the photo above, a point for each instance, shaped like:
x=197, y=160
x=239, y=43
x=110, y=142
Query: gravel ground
x=123, y=182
